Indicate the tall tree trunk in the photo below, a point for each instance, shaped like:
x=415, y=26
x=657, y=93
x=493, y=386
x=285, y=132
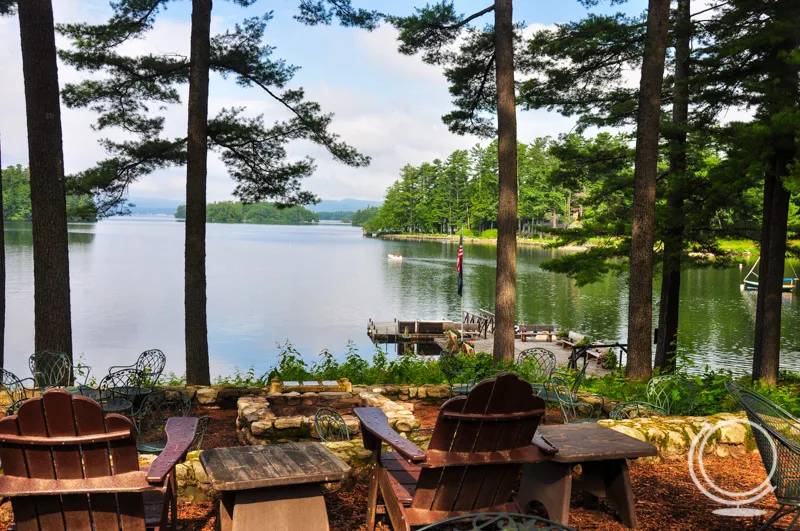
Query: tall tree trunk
x=766, y=359
x=51, y=295
x=2, y=270
x=673, y=239
x=506, y=284
x=197, y=368
x=640, y=298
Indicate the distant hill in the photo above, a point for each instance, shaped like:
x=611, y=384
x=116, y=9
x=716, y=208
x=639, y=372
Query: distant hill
x=342, y=205
x=154, y=205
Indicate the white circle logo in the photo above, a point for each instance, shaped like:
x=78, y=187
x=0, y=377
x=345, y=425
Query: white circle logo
x=734, y=500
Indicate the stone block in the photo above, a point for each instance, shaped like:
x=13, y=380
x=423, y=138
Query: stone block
x=293, y=398
x=732, y=434
x=412, y=392
x=333, y=396
x=261, y=428
x=207, y=395
x=282, y=423
x=199, y=472
x=422, y=392
x=405, y=425
x=229, y=393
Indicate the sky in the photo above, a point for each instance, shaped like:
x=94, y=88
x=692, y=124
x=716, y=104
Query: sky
x=387, y=105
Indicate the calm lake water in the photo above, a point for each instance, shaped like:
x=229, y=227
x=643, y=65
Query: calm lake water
x=316, y=286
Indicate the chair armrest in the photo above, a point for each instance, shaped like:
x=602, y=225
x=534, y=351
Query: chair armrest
x=13, y=486
x=180, y=434
x=374, y=421
x=115, y=368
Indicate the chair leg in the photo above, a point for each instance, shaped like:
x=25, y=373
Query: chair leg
x=779, y=513
x=372, y=493
x=173, y=524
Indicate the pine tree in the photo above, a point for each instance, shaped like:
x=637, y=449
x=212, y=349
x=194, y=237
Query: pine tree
x=254, y=153
x=481, y=75
x=751, y=60
x=52, y=320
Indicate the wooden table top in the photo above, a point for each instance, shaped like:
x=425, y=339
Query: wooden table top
x=588, y=441
x=252, y=467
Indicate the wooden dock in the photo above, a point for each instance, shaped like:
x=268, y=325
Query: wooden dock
x=407, y=333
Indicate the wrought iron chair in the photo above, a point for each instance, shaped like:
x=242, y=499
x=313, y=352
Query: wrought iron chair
x=784, y=430
x=150, y=420
x=571, y=407
x=331, y=427
x=15, y=390
x=117, y=391
x=489, y=521
x=548, y=393
x=537, y=366
x=150, y=364
x=50, y=369
x=453, y=371
x=667, y=394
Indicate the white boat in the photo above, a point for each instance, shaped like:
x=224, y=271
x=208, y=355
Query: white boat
x=395, y=256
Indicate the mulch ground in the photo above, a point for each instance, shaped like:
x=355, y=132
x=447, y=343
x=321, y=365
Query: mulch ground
x=666, y=497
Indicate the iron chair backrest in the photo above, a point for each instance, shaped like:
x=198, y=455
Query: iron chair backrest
x=14, y=389
x=498, y=416
x=330, y=426
x=124, y=383
x=571, y=408
x=671, y=393
x=150, y=420
x=151, y=364
x=539, y=364
x=636, y=410
x=50, y=368
x=784, y=430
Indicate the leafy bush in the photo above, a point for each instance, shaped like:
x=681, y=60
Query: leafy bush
x=490, y=234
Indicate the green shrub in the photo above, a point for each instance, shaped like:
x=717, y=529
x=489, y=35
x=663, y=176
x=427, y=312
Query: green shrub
x=490, y=234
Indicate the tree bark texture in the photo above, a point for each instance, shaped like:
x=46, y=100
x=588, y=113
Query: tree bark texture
x=196, y=324
x=640, y=295
x=52, y=322
x=506, y=283
x=2, y=270
x=666, y=346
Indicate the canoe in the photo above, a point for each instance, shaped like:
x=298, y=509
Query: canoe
x=395, y=256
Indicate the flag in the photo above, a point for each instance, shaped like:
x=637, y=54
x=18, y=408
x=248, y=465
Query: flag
x=460, y=265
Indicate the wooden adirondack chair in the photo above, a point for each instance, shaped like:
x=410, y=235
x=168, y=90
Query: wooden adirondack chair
x=479, y=443
x=67, y=466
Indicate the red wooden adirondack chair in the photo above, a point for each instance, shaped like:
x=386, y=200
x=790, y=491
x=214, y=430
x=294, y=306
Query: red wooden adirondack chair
x=478, y=446
x=67, y=466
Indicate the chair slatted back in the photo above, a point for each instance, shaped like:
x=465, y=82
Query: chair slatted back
x=498, y=415
x=59, y=414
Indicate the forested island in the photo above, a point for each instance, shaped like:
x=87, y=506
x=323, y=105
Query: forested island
x=264, y=213
x=17, y=198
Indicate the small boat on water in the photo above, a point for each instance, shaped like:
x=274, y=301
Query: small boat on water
x=789, y=284
x=395, y=256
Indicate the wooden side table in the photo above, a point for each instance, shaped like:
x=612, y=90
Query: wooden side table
x=602, y=454
x=275, y=487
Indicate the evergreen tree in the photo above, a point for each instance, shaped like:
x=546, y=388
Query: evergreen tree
x=751, y=61
x=481, y=74
x=254, y=153
x=52, y=321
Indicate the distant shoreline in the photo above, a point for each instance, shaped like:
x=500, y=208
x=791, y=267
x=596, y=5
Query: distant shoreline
x=479, y=241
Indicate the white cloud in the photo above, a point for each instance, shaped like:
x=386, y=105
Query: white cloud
x=386, y=104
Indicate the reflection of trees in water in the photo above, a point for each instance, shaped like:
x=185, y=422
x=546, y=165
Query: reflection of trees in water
x=19, y=233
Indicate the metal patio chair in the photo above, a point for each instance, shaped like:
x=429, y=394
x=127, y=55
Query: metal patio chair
x=572, y=409
x=150, y=420
x=15, y=390
x=538, y=365
x=667, y=394
x=150, y=364
x=784, y=430
x=331, y=427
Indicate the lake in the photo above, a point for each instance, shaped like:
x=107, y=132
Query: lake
x=317, y=286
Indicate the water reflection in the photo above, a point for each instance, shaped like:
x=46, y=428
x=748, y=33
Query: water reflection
x=318, y=285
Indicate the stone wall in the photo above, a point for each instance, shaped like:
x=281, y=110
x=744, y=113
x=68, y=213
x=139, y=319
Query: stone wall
x=673, y=436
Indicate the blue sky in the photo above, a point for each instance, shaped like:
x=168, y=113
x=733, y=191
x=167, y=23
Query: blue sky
x=387, y=105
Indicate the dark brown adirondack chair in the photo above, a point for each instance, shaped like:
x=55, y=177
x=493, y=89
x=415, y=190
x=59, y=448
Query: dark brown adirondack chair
x=67, y=466
x=472, y=464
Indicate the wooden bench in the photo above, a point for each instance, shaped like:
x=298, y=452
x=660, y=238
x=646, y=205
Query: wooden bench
x=526, y=332
x=571, y=340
